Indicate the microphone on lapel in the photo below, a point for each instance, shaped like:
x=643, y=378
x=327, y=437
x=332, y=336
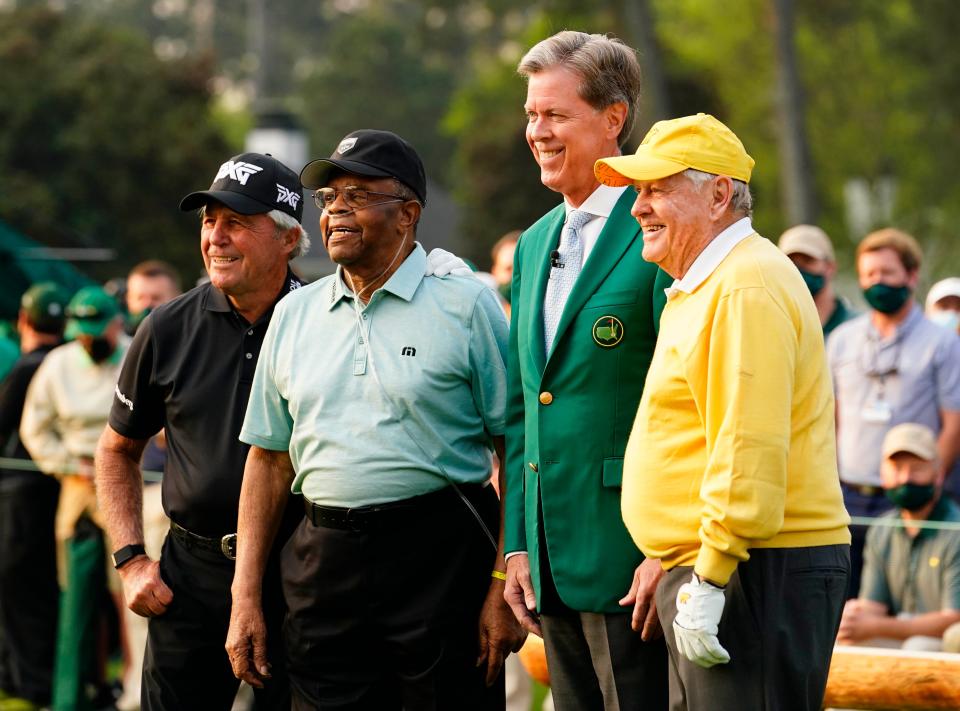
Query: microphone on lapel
x=555, y=259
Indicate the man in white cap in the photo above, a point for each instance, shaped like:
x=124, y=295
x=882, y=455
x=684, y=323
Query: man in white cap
x=810, y=249
x=730, y=475
x=910, y=589
x=943, y=303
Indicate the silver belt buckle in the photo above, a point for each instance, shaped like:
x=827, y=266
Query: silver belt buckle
x=228, y=546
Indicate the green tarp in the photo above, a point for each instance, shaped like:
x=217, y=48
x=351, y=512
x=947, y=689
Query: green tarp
x=22, y=263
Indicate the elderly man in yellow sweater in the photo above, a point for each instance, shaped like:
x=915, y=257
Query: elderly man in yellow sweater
x=730, y=475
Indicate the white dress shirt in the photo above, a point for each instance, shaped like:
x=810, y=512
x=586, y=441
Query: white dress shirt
x=600, y=204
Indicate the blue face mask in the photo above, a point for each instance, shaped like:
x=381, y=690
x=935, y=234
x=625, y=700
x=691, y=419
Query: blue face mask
x=947, y=318
x=814, y=282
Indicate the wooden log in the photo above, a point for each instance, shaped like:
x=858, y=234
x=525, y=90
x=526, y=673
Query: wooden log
x=533, y=656
x=892, y=679
x=860, y=678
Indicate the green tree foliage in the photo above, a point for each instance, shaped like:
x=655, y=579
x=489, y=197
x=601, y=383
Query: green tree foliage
x=884, y=96
x=879, y=80
x=495, y=177
x=99, y=139
x=375, y=71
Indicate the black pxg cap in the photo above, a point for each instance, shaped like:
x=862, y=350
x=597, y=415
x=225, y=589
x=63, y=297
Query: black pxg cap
x=252, y=184
x=372, y=154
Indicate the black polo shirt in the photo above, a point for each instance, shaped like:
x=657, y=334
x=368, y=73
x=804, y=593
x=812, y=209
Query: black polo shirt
x=13, y=395
x=189, y=370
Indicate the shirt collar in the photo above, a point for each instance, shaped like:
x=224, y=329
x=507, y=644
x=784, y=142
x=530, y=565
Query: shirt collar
x=600, y=203
x=216, y=300
x=711, y=257
x=403, y=283
x=901, y=331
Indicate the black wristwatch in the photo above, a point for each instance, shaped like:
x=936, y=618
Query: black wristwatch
x=123, y=555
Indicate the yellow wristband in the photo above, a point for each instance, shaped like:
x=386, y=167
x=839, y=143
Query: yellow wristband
x=498, y=575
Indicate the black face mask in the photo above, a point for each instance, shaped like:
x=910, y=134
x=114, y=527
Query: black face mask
x=99, y=349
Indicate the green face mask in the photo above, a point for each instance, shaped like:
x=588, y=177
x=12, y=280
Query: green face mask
x=885, y=298
x=911, y=496
x=814, y=282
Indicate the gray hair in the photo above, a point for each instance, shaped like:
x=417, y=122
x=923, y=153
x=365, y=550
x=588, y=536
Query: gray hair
x=285, y=222
x=742, y=200
x=405, y=192
x=608, y=68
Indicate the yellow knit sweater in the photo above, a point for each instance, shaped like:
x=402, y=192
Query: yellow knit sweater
x=733, y=447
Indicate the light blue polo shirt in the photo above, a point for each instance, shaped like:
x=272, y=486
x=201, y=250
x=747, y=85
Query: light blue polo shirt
x=438, y=347
x=915, y=373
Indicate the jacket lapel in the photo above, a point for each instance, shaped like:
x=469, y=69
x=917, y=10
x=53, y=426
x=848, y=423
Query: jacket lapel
x=546, y=240
x=618, y=234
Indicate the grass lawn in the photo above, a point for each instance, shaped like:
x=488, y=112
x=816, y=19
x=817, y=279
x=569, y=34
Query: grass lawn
x=539, y=694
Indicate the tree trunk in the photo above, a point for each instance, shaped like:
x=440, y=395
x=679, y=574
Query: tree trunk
x=796, y=174
x=641, y=33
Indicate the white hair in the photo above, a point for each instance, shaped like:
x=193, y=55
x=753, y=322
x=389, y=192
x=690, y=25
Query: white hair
x=742, y=200
x=284, y=222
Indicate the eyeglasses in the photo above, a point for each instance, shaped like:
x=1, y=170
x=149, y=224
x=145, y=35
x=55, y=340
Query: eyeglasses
x=356, y=198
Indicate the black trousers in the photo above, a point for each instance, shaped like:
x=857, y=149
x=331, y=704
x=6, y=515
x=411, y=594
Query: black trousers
x=779, y=623
x=185, y=666
x=29, y=593
x=385, y=617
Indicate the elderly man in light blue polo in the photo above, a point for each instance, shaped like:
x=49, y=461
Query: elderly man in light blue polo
x=379, y=395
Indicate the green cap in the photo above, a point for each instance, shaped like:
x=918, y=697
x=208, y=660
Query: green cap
x=45, y=305
x=90, y=311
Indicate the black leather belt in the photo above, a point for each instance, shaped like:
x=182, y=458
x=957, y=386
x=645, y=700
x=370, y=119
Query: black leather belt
x=226, y=545
x=863, y=489
x=364, y=518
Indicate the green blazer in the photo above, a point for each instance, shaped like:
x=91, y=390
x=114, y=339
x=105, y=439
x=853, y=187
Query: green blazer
x=569, y=415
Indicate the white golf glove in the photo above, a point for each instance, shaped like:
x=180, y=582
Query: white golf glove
x=441, y=263
x=699, y=607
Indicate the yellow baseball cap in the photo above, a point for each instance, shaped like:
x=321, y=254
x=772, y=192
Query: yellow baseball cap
x=699, y=142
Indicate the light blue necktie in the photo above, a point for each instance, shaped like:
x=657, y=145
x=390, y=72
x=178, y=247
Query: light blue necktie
x=562, y=278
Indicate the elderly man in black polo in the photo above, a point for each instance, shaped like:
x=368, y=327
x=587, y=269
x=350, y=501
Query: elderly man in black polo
x=189, y=371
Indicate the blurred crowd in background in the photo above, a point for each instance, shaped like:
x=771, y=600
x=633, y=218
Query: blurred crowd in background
x=866, y=144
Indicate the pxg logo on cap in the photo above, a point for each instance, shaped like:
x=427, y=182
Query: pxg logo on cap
x=237, y=170
x=252, y=184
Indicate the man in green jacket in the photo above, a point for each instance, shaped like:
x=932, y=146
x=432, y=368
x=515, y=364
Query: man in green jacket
x=581, y=338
